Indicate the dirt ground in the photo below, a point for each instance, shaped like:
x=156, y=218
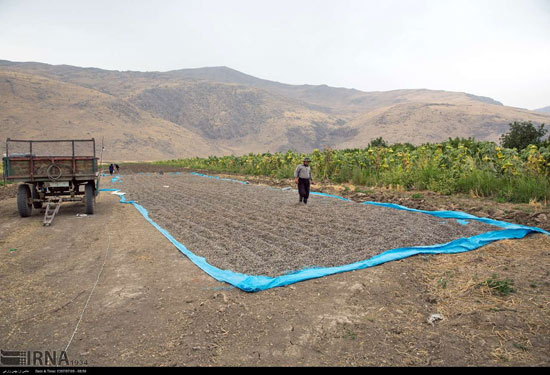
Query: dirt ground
x=153, y=307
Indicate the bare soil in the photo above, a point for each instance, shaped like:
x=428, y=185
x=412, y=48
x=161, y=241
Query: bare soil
x=154, y=307
x=8, y=191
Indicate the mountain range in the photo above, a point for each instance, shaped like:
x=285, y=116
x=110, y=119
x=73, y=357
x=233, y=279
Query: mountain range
x=220, y=111
x=543, y=109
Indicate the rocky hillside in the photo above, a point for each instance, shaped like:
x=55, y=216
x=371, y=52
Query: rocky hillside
x=543, y=109
x=201, y=112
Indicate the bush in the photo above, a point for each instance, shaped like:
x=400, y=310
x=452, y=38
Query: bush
x=378, y=142
x=523, y=134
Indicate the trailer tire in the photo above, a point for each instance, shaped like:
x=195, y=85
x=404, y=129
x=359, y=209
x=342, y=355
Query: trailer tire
x=35, y=195
x=89, y=198
x=24, y=197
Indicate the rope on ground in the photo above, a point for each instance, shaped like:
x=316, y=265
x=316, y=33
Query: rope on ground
x=91, y=292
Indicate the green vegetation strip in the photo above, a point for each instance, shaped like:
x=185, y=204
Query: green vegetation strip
x=457, y=166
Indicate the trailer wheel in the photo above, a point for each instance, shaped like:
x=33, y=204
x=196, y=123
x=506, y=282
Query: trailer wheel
x=35, y=195
x=90, y=198
x=24, y=202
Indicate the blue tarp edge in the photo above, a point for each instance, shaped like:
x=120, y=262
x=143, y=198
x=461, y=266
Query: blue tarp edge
x=256, y=283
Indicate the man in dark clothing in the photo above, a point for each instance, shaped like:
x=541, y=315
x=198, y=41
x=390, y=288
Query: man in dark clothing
x=302, y=177
x=117, y=168
x=111, y=169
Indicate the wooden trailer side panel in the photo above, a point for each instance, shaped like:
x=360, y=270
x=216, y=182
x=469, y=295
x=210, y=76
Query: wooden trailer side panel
x=62, y=168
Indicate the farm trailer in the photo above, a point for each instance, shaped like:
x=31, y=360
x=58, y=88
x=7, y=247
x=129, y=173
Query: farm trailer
x=51, y=176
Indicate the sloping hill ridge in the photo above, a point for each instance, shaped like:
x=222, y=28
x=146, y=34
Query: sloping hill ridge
x=218, y=111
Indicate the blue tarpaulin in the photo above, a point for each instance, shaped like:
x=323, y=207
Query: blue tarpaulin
x=255, y=283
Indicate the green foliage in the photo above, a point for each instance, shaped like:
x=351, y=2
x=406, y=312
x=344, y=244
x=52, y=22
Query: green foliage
x=378, y=142
x=523, y=134
x=456, y=166
x=502, y=287
x=350, y=335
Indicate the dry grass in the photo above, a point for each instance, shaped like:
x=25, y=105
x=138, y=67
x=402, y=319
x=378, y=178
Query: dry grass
x=511, y=320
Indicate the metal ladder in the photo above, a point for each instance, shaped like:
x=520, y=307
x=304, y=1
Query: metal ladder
x=51, y=210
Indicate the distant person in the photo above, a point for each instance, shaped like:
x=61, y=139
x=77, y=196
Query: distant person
x=117, y=168
x=111, y=169
x=302, y=176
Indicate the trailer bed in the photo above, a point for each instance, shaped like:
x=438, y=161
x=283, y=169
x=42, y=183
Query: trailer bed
x=52, y=171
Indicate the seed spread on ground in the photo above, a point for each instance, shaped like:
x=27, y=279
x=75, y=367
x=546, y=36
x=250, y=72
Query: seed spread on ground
x=260, y=230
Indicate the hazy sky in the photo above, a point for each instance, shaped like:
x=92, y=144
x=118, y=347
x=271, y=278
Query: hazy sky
x=499, y=48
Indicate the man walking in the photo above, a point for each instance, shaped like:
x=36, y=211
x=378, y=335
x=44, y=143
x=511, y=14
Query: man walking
x=302, y=176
